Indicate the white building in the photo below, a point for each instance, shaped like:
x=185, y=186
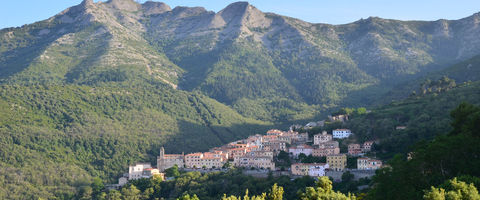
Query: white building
x=317, y=170
x=309, y=169
x=368, y=164
x=136, y=172
x=341, y=133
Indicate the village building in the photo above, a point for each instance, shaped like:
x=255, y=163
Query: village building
x=299, y=138
x=136, y=171
x=275, y=132
x=262, y=153
x=367, y=146
x=329, y=145
x=322, y=138
x=368, y=164
x=354, y=149
x=337, y=162
x=165, y=161
x=309, y=169
x=341, y=133
x=259, y=162
x=341, y=118
x=207, y=160
x=401, y=127
x=274, y=146
x=236, y=152
x=322, y=152
x=150, y=172
x=295, y=151
x=285, y=138
x=295, y=127
x=254, y=140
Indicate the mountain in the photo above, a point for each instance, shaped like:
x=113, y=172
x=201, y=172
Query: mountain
x=102, y=85
x=239, y=56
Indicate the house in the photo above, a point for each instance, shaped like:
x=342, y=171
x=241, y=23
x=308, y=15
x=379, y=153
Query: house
x=341, y=118
x=317, y=170
x=275, y=132
x=236, y=152
x=368, y=164
x=329, y=145
x=295, y=151
x=297, y=138
x=337, y=162
x=259, y=162
x=401, y=127
x=207, y=160
x=165, y=161
x=262, y=153
x=354, y=149
x=274, y=146
x=321, y=152
x=341, y=133
x=309, y=169
x=136, y=171
x=367, y=146
x=322, y=138
x=150, y=172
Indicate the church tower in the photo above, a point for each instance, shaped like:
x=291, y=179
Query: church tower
x=161, y=160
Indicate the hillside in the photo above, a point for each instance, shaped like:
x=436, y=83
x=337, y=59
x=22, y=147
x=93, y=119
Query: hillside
x=465, y=71
x=56, y=138
x=425, y=116
x=102, y=85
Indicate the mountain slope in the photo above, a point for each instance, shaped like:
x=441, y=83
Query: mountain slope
x=56, y=138
x=423, y=115
x=267, y=56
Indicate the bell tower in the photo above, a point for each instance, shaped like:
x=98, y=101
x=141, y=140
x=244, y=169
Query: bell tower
x=161, y=160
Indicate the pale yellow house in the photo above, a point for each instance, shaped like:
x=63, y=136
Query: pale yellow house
x=337, y=162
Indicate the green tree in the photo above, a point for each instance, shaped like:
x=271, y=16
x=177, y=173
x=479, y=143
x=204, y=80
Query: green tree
x=172, y=171
x=455, y=190
x=131, y=193
x=324, y=190
x=114, y=195
x=97, y=185
x=276, y=193
x=188, y=197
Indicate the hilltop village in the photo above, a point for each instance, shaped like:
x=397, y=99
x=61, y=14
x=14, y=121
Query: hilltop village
x=262, y=152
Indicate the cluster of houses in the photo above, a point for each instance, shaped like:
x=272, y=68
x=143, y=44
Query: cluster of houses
x=258, y=151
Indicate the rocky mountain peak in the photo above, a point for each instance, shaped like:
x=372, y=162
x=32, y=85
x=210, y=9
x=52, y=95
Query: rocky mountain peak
x=242, y=13
x=153, y=8
x=127, y=5
x=87, y=3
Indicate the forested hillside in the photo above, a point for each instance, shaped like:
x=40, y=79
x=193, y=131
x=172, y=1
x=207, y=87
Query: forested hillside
x=424, y=116
x=56, y=138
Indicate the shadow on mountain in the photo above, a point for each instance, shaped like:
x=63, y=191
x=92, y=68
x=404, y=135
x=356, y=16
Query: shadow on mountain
x=194, y=137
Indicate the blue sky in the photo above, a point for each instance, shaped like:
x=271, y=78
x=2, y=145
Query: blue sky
x=19, y=12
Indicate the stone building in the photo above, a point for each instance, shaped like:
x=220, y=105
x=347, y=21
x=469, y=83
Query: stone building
x=165, y=161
